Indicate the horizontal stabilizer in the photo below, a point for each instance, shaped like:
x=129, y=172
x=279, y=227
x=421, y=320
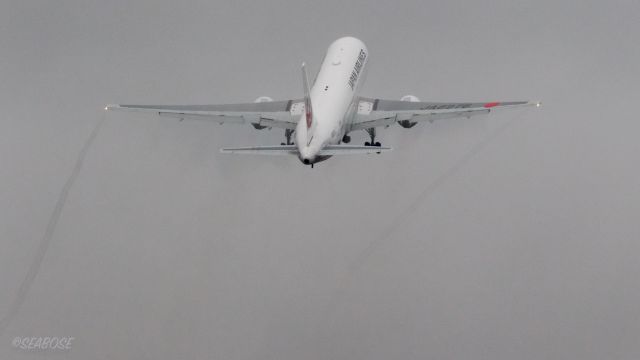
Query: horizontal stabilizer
x=263, y=150
x=293, y=150
x=352, y=150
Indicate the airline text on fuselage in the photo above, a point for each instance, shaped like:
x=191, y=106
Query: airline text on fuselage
x=356, y=69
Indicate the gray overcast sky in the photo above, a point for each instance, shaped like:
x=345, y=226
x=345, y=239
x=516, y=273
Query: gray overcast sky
x=468, y=241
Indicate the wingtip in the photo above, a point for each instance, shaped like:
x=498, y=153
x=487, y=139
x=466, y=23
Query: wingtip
x=111, y=107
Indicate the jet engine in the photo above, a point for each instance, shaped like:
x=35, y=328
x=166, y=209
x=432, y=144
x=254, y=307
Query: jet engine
x=410, y=98
x=407, y=123
x=263, y=99
x=260, y=100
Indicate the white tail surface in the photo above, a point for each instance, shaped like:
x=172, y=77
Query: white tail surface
x=308, y=109
x=293, y=150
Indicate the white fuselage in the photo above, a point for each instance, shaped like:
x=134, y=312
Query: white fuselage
x=332, y=96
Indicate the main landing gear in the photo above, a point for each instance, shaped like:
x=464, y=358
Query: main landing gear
x=287, y=134
x=372, y=135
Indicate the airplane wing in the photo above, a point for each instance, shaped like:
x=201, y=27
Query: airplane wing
x=379, y=112
x=328, y=150
x=278, y=114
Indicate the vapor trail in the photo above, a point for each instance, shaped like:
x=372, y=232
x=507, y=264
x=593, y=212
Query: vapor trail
x=42, y=248
x=402, y=218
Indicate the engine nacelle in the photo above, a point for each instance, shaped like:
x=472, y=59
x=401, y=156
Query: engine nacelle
x=261, y=99
x=407, y=123
x=410, y=98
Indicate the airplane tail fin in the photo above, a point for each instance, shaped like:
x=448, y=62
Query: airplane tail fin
x=308, y=110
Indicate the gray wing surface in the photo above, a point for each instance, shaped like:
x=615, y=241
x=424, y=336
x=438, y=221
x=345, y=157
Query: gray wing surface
x=379, y=112
x=279, y=114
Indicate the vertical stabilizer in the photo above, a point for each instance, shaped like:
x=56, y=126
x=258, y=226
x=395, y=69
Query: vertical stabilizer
x=308, y=110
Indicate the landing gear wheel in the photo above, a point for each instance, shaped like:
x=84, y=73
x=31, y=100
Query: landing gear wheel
x=346, y=139
x=372, y=135
x=287, y=135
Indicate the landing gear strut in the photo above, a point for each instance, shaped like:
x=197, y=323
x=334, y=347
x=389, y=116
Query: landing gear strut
x=287, y=134
x=372, y=135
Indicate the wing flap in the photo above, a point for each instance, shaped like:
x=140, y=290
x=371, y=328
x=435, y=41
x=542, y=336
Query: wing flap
x=366, y=122
x=220, y=119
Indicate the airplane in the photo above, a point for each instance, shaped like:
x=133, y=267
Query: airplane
x=330, y=109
